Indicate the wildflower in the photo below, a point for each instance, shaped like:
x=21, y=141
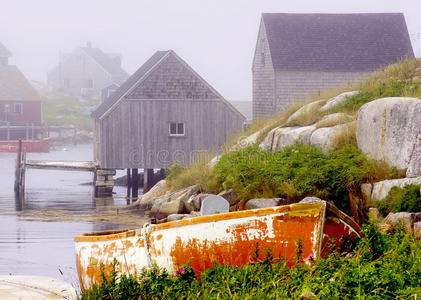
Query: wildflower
x=181, y=271
x=332, y=279
x=369, y=250
x=347, y=255
x=198, y=293
x=310, y=257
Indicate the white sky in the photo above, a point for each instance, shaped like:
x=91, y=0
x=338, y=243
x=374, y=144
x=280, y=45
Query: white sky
x=216, y=37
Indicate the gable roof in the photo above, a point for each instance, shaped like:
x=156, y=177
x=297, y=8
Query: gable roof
x=4, y=52
x=105, y=61
x=15, y=87
x=123, y=89
x=336, y=42
x=140, y=75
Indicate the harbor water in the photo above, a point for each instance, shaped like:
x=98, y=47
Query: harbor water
x=36, y=236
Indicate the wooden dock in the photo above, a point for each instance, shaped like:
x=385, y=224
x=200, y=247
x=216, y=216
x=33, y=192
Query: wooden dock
x=103, y=181
x=88, y=166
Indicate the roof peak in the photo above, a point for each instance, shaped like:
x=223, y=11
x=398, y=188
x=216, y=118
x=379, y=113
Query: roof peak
x=4, y=52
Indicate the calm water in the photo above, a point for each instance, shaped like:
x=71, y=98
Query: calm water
x=39, y=239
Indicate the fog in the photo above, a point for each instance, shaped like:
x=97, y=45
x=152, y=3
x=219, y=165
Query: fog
x=216, y=37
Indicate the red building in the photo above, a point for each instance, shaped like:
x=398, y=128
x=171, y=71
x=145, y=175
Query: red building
x=20, y=104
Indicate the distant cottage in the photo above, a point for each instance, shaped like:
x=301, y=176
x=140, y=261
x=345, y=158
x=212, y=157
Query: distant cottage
x=20, y=104
x=164, y=113
x=86, y=71
x=302, y=54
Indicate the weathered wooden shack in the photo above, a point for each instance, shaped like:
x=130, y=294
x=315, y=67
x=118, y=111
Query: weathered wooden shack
x=164, y=113
x=298, y=55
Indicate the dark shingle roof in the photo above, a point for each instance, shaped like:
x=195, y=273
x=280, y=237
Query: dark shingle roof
x=4, y=52
x=14, y=86
x=107, y=104
x=336, y=42
x=105, y=61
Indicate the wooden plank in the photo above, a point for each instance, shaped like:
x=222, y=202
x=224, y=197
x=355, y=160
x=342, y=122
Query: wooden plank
x=62, y=165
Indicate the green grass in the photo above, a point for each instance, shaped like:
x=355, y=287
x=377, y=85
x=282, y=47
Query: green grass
x=378, y=266
x=68, y=111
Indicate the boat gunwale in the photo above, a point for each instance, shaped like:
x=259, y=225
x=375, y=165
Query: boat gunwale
x=295, y=207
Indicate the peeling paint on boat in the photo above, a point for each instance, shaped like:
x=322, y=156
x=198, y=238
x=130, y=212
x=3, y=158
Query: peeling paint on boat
x=229, y=238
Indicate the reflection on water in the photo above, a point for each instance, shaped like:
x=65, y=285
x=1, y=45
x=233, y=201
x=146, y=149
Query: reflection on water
x=39, y=240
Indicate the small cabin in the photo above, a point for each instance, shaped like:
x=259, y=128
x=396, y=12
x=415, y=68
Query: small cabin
x=300, y=55
x=165, y=113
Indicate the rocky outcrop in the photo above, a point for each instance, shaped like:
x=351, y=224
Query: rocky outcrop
x=335, y=101
x=306, y=109
x=381, y=189
x=389, y=129
x=263, y=202
x=393, y=219
x=324, y=138
x=158, y=190
x=281, y=137
x=334, y=119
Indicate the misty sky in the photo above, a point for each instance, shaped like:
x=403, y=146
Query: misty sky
x=216, y=37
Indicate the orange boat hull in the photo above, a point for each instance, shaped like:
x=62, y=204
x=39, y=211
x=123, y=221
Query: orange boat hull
x=229, y=239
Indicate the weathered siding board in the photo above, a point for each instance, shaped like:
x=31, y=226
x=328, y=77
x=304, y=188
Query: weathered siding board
x=296, y=86
x=208, y=124
x=263, y=77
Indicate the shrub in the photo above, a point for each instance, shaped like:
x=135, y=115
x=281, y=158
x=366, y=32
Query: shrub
x=407, y=199
x=297, y=171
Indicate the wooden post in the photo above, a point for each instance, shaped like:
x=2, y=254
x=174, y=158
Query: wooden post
x=74, y=136
x=147, y=179
x=18, y=169
x=135, y=182
x=26, y=131
x=8, y=131
x=129, y=183
x=32, y=131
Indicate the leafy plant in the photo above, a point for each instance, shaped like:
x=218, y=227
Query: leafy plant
x=406, y=199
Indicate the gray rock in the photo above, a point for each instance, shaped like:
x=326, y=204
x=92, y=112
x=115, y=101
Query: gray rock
x=214, y=161
x=406, y=218
x=214, y=205
x=230, y=196
x=417, y=230
x=246, y=141
x=323, y=138
x=310, y=200
x=338, y=118
x=157, y=204
x=389, y=129
x=263, y=202
x=366, y=189
x=148, y=199
x=195, y=202
x=381, y=189
x=304, y=110
x=172, y=207
x=176, y=217
x=282, y=137
x=333, y=102
x=374, y=213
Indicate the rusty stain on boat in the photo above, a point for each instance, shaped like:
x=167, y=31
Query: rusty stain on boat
x=228, y=238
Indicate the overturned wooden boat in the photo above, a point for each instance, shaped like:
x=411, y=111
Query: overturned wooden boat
x=227, y=238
